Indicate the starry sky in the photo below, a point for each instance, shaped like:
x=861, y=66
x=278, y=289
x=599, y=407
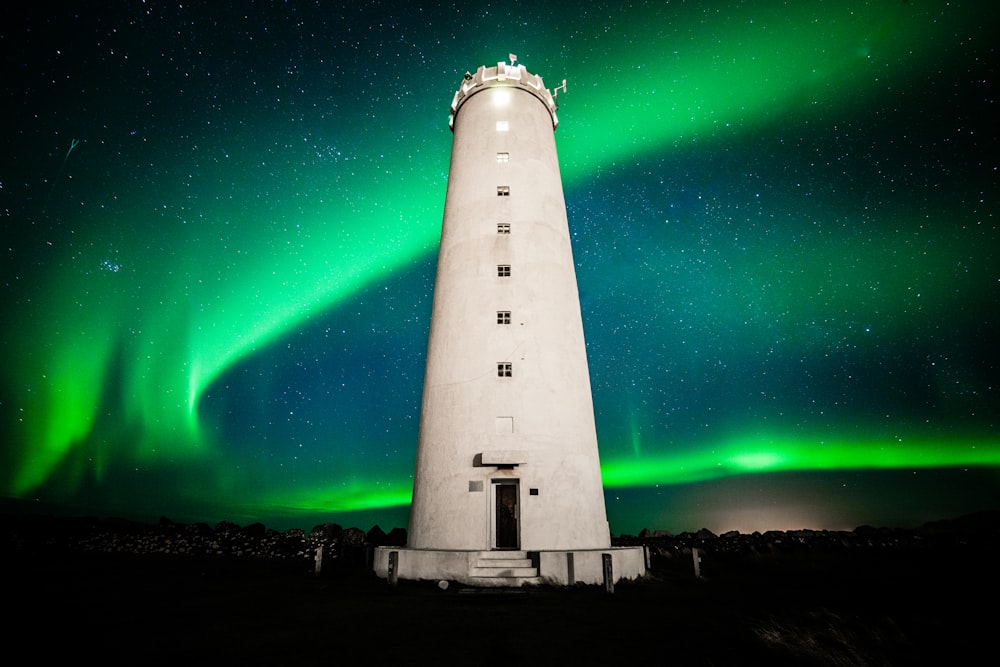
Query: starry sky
x=220, y=223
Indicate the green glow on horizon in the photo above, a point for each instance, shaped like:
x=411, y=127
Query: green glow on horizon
x=761, y=454
x=258, y=490
x=351, y=497
x=741, y=456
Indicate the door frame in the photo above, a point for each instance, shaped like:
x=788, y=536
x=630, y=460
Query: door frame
x=494, y=483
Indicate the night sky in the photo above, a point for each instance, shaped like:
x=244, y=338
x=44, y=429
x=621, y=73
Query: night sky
x=220, y=224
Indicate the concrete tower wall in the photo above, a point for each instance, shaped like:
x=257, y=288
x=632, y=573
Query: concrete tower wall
x=535, y=427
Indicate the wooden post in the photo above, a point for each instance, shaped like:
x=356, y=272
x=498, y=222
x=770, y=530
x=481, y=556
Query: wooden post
x=609, y=576
x=319, y=559
x=393, y=573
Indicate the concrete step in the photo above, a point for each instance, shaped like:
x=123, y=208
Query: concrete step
x=503, y=554
x=503, y=564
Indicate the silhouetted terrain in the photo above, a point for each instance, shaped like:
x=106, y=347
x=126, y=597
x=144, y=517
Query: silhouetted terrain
x=125, y=593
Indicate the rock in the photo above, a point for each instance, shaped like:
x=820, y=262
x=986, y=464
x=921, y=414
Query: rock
x=353, y=548
x=255, y=530
x=327, y=532
x=226, y=527
x=376, y=536
x=353, y=537
x=395, y=538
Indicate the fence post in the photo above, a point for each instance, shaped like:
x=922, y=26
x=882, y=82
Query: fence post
x=318, y=567
x=393, y=572
x=609, y=576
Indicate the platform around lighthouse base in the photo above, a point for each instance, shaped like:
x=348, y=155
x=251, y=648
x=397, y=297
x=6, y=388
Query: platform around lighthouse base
x=506, y=568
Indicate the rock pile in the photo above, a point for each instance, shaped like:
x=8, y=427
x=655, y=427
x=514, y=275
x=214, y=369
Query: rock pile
x=976, y=531
x=330, y=547
x=325, y=545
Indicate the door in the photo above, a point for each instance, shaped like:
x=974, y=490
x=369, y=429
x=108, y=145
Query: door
x=506, y=514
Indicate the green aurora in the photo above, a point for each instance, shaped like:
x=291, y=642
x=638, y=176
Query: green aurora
x=175, y=251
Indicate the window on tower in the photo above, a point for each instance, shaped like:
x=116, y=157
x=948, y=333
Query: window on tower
x=503, y=317
x=502, y=126
x=503, y=191
x=505, y=425
x=503, y=158
x=505, y=369
x=503, y=228
x=503, y=270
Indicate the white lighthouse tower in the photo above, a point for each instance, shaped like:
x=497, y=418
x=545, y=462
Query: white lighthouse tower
x=507, y=487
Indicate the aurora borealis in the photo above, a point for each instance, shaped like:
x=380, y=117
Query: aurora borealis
x=221, y=224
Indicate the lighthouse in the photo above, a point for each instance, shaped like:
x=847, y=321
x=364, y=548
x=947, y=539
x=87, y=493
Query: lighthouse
x=507, y=484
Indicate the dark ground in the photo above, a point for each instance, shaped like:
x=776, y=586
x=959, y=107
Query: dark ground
x=931, y=605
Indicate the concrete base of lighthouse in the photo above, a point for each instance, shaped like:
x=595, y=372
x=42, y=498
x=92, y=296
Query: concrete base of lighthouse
x=512, y=568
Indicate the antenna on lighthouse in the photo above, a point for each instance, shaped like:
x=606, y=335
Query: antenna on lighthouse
x=555, y=92
x=512, y=58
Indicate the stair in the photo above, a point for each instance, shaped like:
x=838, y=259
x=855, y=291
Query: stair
x=515, y=566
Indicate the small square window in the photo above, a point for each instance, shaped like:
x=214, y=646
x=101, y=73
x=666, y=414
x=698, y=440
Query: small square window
x=503, y=191
x=503, y=317
x=503, y=270
x=503, y=228
x=503, y=158
x=505, y=369
x=502, y=126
